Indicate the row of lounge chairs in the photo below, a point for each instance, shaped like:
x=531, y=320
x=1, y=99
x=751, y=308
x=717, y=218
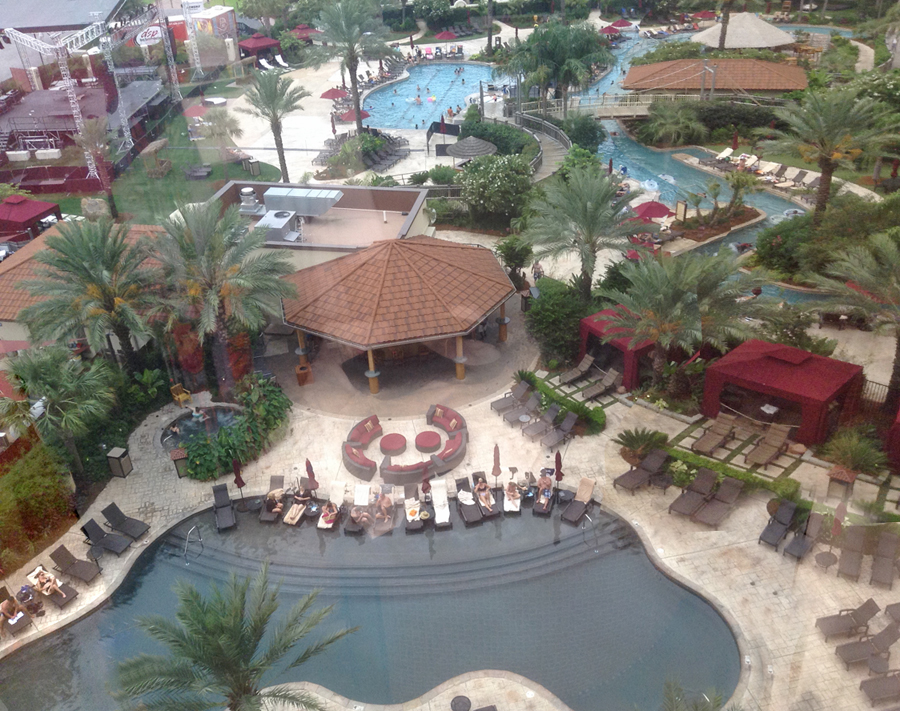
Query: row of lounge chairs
x=279, y=61
x=777, y=175
x=526, y=413
x=772, y=444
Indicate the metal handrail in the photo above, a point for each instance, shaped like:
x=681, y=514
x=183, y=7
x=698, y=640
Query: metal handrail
x=187, y=542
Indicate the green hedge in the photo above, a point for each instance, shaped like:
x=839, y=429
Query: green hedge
x=593, y=417
x=784, y=488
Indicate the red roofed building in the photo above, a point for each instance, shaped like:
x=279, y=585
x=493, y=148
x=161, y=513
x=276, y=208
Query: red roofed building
x=687, y=76
x=19, y=217
x=618, y=353
x=819, y=390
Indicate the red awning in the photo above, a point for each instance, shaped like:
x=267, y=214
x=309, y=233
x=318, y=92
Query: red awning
x=22, y=211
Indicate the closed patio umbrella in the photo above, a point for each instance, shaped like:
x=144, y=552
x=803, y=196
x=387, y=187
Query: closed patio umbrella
x=239, y=482
x=559, y=471
x=313, y=484
x=496, y=470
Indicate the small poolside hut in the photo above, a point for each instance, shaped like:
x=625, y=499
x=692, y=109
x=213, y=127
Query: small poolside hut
x=790, y=381
x=618, y=353
x=745, y=31
x=19, y=217
x=397, y=293
x=469, y=148
x=259, y=43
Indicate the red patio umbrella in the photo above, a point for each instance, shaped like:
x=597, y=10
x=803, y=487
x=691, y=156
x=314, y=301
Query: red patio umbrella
x=334, y=94
x=313, y=484
x=195, y=111
x=445, y=36
x=351, y=115
x=734, y=141
x=496, y=470
x=622, y=22
x=610, y=30
x=652, y=209
x=704, y=15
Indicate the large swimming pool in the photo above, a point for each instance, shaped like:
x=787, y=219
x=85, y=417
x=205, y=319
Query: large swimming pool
x=582, y=612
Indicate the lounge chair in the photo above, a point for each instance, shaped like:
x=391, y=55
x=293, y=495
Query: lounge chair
x=530, y=408
x=265, y=65
x=223, y=508
x=441, y=503
x=849, y=621
x=514, y=397
x=543, y=509
x=281, y=63
x=486, y=512
x=336, y=497
x=778, y=525
x=68, y=564
x=541, y=426
x=770, y=447
x=468, y=508
x=802, y=543
x=561, y=433
x=57, y=599
x=579, y=371
x=882, y=688
x=118, y=521
x=412, y=507
x=639, y=476
x=868, y=645
x=20, y=622
x=512, y=505
x=883, y=568
x=695, y=494
x=275, y=483
x=579, y=505
x=361, y=497
x=108, y=541
x=850, y=562
x=725, y=154
x=714, y=511
x=602, y=386
x=721, y=431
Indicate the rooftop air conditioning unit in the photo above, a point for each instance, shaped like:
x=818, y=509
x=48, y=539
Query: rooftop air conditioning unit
x=281, y=226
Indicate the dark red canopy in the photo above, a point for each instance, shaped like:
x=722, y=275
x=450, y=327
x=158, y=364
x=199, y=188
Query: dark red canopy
x=610, y=30
x=303, y=32
x=18, y=214
x=812, y=381
x=599, y=325
x=257, y=43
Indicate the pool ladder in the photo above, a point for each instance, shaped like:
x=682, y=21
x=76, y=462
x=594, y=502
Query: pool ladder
x=187, y=543
x=596, y=541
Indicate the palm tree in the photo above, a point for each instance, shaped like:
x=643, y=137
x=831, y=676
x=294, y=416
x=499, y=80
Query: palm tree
x=674, y=124
x=741, y=184
x=216, y=656
x=91, y=279
x=218, y=272
x=831, y=129
x=489, y=50
x=93, y=139
x=74, y=394
x=272, y=98
x=581, y=215
x=220, y=126
x=684, y=302
x=353, y=34
x=866, y=278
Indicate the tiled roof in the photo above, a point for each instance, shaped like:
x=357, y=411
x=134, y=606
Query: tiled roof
x=398, y=291
x=731, y=75
x=21, y=266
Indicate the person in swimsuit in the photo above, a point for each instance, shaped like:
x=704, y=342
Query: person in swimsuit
x=545, y=490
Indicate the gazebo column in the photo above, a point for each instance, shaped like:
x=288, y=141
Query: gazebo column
x=502, y=320
x=372, y=374
x=302, y=350
x=460, y=359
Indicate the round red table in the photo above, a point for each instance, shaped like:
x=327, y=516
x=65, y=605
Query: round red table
x=428, y=441
x=393, y=444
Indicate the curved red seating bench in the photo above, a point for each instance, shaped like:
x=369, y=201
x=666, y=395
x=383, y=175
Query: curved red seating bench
x=365, y=431
x=357, y=462
x=452, y=454
x=403, y=474
x=448, y=420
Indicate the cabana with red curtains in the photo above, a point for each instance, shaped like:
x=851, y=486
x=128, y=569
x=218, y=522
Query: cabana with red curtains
x=593, y=329
x=826, y=390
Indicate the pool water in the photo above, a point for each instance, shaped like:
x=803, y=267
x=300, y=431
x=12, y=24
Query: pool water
x=439, y=88
x=581, y=611
x=816, y=30
x=189, y=426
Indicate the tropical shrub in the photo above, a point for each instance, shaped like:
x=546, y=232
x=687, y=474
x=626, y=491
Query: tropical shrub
x=578, y=157
x=584, y=131
x=672, y=124
x=730, y=115
x=638, y=442
x=493, y=185
x=778, y=247
x=515, y=253
x=881, y=87
x=786, y=488
x=594, y=418
x=554, y=319
x=855, y=448
x=435, y=12
x=443, y=175
x=510, y=141
x=418, y=178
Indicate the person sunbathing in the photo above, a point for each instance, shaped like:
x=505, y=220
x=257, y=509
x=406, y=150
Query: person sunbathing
x=11, y=607
x=47, y=583
x=273, y=502
x=545, y=490
x=329, y=513
x=483, y=491
x=512, y=491
x=360, y=516
x=384, y=508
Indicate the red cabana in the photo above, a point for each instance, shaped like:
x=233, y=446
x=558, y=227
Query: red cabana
x=596, y=327
x=783, y=373
x=19, y=216
x=259, y=43
x=305, y=32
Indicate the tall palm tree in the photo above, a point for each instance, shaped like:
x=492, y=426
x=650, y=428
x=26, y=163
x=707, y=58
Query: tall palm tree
x=92, y=279
x=489, y=50
x=831, y=129
x=216, y=656
x=866, y=277
x=272, y=97
x=94, y=140
x=352, y=34
x=218, y=272
x=581, y=215
x=220, y=125
x=73, y=393
x=684, y=302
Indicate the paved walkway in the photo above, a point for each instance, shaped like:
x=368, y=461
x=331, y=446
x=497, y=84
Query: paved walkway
x=866, y=60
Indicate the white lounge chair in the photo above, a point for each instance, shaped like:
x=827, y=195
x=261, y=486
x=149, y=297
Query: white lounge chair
x=441, y=504
x=362, y=495
x=265, y=64
x=725, y=154
x=280, y=60
x=811, y=178
x=751, y=161
x=766, y=167
x=788, y=178
x=336, y=496
x=511, y=505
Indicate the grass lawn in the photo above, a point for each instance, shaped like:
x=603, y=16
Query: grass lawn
x=147, y=199
x=218, y=88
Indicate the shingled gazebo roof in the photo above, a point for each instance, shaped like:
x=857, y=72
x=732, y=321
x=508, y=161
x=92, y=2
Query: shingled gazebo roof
x=398, y=291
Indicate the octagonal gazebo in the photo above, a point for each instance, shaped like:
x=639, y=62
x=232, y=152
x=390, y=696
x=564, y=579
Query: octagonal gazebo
x=399, y=292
